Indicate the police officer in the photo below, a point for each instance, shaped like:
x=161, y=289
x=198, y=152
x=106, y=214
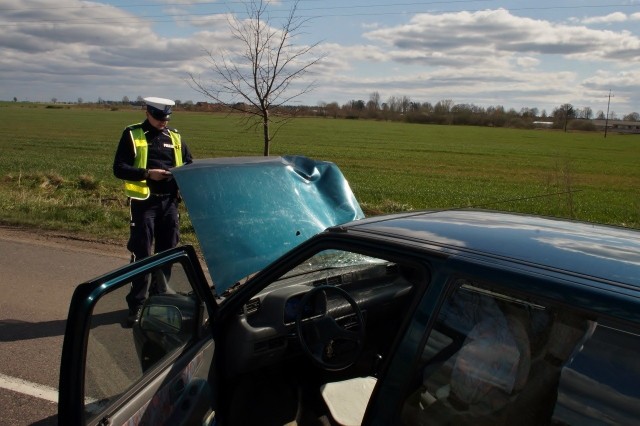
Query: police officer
x=146, y=153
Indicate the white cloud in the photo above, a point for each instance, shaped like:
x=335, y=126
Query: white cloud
x=607, y=19
x=70, y=47
x=480, y=35
x=465, y=85
x=91, y=50
x=623, y=84
x=494, y=56
x=527, y=62
x=216, y=22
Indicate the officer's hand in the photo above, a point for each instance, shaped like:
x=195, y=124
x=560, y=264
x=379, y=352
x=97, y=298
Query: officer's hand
x=159, y=174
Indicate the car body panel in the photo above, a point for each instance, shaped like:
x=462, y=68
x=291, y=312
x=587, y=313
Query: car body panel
x=248, y=211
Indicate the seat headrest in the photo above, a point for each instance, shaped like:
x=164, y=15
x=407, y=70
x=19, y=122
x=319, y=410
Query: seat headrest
x=493, y=363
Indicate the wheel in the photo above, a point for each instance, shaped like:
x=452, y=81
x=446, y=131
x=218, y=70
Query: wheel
x=330, y=327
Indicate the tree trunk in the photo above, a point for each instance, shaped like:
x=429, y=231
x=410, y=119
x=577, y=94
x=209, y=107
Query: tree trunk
x=265, y=128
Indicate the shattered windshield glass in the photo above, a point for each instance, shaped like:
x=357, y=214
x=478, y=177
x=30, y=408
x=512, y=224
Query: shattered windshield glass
x=333, y=259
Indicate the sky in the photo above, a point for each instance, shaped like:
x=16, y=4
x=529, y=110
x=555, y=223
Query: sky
x=515, y=54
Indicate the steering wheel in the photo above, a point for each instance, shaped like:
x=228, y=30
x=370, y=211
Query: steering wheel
x=331, y=332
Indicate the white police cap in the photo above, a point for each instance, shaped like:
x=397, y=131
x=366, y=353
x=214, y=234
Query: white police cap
x=159, y=108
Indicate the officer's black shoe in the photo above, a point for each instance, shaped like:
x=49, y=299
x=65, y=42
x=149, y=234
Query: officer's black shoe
x=134, y=315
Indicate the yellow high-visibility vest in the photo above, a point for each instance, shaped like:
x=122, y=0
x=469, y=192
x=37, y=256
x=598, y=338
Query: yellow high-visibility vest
x=139, y=189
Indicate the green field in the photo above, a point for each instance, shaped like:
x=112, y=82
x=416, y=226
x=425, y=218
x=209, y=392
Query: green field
x=55, y=167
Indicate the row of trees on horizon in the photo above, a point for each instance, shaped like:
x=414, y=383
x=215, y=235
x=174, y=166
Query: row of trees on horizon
x=404, y=109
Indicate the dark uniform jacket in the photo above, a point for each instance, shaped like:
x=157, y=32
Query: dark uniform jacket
x=160, y=156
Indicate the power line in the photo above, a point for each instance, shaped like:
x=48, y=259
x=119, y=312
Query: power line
x=239, y=2
x=187, y=15
x=179, y=17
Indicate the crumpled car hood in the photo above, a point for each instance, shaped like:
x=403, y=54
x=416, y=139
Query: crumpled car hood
x=248, y=211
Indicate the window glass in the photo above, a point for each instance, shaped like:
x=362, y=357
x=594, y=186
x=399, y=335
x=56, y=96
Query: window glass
x=600, y=384
x=118, y=353
x=333, y=259
x=496, y=359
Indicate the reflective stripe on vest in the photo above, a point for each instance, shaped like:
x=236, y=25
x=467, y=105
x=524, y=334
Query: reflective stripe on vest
x=139, y=189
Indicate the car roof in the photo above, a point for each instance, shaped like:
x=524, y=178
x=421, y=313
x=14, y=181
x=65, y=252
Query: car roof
x=599, y=251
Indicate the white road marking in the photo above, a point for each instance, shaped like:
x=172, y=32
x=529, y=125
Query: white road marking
x=33, y=389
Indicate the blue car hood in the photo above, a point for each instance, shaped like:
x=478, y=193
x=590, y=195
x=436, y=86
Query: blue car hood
x=248, y=211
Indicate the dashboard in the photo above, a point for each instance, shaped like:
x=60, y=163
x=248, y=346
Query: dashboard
x=265, y=331
x=291, y=307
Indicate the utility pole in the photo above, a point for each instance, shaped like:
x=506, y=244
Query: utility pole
x=606, y=121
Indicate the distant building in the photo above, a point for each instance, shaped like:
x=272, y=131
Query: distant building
x=618, y=126
x=543, y=124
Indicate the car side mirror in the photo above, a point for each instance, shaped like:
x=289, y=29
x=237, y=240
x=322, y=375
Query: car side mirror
x=161, y=318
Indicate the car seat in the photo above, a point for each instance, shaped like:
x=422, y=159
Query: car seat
x=486, y=375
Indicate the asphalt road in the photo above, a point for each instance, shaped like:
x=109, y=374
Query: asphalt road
x=38, y=274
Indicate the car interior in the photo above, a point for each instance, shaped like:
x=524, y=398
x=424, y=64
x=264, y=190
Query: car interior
x=494, y=360
x=307, y=348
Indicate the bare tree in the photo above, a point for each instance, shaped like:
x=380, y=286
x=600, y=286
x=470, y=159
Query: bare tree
x=332, y=109
x=405, y=104
x=444, y=106
x=562, y=115
x=394, y=104
x=634, y=116
x=258, y=81
x=374, y=101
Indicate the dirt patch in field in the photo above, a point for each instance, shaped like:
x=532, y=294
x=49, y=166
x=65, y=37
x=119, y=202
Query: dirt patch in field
x=64, y=239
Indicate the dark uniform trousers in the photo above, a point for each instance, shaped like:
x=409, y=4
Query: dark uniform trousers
x=154, y=220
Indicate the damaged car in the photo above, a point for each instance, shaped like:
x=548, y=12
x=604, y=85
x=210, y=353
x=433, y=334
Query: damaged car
x=306, y=312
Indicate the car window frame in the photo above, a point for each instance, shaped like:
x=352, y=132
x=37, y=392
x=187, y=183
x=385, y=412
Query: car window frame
x=391, y=251
x=71, y=405
x=517, y=279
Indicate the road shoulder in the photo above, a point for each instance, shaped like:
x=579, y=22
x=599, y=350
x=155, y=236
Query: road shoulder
x=63, y=240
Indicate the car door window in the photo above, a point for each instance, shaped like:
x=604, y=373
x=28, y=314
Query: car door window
x=118, y=353
x=496, y=358
x=600, y=384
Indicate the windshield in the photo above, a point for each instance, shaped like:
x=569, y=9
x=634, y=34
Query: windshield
x=332, y=259
x=328, y=260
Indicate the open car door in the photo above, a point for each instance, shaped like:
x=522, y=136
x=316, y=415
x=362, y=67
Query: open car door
x=158, y=371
